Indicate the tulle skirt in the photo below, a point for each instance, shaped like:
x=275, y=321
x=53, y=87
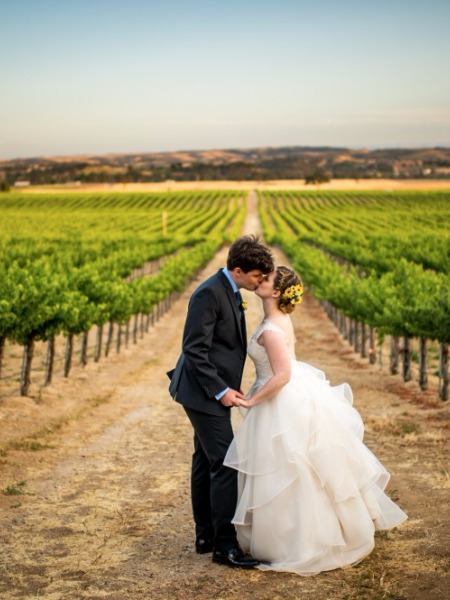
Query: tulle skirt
x=310, y=492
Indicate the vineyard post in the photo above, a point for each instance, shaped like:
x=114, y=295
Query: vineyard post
x=135, y=327
x=98, y=343
x=329, y=309
x=339, y=323
x=68, y=355
x=394, y=355
x=109, y=338
x=363, y=340
x=2, y=350
x=25, y=379
x=357, y=340
x=372, y=352
x=49, y=360
x=345, y=327
x=84, y=346
x=423, y=375
x=119, y=337
x=407, y=354
x=443, y=371
x=127, y=333
x=351, y=332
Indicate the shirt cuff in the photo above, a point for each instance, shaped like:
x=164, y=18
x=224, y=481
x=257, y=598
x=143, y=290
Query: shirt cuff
x=220, y=394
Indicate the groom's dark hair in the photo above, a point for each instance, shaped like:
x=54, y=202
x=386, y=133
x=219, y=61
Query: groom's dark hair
x=249, y=254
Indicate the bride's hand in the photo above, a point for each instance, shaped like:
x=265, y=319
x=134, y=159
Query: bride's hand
x=231, y=398
x=247, y=402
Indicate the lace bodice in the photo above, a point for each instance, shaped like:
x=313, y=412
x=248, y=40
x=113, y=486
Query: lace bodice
x=259, y=355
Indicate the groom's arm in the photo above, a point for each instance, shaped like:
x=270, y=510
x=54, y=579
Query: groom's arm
x=198, y=336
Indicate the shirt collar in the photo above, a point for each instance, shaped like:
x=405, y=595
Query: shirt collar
x=226, y=272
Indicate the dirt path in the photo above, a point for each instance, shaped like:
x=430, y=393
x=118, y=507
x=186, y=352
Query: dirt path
x=105, y=509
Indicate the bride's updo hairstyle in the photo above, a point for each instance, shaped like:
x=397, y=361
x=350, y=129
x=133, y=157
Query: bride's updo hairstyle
x=290, y=287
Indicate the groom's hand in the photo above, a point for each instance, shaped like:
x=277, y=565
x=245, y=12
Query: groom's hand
x=232, y=398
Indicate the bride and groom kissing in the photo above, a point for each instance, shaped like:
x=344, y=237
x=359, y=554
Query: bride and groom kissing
x=295, y=489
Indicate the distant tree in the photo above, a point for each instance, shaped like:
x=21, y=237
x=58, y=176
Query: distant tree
x=132, y=174
x=316, y=176
x=4, y=186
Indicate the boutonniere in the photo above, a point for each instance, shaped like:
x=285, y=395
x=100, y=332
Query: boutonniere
x=244, y=305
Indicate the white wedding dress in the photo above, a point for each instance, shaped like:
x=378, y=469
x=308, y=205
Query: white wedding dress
x=310, y=492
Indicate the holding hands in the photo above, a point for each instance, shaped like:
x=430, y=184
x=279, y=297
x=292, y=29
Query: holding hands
x=232, y=398
x=248, y=402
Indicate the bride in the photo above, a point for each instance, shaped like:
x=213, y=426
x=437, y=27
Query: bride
x=310, y=492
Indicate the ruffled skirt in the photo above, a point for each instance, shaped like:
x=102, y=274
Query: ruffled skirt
x=311, y=494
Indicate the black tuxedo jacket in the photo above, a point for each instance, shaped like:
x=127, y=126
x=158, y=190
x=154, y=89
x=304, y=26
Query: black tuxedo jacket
x=213, y=350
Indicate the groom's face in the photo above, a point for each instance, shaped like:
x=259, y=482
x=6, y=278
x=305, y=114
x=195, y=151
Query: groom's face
x=248, y=281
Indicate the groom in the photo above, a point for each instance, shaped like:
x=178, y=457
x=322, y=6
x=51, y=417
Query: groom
x=207, y=381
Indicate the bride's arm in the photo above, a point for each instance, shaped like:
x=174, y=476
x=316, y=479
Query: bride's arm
x=280, y=362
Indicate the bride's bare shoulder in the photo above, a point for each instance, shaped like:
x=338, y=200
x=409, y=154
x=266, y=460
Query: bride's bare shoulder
x=280, y=323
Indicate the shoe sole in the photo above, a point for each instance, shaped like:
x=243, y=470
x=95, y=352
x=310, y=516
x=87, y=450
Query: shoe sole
x=203, y=551
x=227, y=563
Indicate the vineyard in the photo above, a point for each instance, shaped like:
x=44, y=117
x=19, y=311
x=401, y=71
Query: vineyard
x=95, y=458
x=71, y=262
x=380, y=262
x=106, y=265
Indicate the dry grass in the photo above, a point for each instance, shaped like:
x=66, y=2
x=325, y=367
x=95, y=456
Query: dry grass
x=288, y=184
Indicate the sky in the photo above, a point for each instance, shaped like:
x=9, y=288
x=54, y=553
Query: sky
x=109, y=76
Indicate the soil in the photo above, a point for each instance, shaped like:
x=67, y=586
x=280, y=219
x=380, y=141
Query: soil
x=95, y=478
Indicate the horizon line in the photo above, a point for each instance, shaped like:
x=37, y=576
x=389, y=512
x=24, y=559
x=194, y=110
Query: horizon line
x=370, y=147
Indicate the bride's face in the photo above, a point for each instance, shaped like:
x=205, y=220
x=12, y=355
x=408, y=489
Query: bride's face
x=265, y=288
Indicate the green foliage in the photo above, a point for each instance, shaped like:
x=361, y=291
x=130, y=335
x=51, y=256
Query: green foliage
x=380, y=259
x=68, y=260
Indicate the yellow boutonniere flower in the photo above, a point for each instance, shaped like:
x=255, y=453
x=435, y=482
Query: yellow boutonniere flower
x=244, y=305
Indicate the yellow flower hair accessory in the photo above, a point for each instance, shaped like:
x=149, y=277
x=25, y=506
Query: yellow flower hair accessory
x=294, y=294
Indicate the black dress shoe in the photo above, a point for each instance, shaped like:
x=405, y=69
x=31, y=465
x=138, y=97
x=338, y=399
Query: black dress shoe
x=203, y=546
x=234, y=557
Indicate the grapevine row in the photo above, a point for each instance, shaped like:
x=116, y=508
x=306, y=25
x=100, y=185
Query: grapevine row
x=366, y=282
x=66, y=280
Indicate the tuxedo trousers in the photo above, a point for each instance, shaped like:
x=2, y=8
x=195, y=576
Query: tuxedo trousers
x=213, y=485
